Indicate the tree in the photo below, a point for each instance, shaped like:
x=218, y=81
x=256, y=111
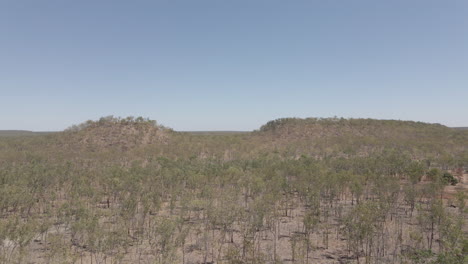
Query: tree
x=415, y=171
x=360, y=225
x=449, y=179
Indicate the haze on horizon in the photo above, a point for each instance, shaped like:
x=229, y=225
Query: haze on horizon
x=231, y=65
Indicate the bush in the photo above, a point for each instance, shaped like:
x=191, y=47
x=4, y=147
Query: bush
x=449, y=179
x=433, y=174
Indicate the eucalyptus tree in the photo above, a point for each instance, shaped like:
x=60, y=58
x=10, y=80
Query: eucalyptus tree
x=16, y=234
x=311, y=219
x=163, y=240
x=414, y=172
x=360, y=226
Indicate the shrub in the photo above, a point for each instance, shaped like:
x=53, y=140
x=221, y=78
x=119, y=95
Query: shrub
x=449, y=179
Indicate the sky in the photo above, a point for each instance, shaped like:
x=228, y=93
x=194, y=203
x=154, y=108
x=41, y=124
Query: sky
x=231, y=65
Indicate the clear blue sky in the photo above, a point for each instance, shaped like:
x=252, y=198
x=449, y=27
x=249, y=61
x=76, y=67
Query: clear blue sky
x=231, y=65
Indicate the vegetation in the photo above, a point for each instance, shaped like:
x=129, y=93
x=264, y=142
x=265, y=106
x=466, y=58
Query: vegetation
x=127, y=190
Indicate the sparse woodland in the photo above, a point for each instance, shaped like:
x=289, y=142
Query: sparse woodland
x=127, y=190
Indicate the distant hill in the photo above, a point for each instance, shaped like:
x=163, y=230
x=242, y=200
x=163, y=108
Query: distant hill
x=214, y=133
x=114, y=132
x=139, y=138
x=16, y=133
x=319, y=136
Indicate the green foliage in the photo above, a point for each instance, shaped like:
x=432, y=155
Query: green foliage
x=434, y=174
x=448, y=178
x=111, y=120
x=415, y=171
x=451, y=258
x=419, y=256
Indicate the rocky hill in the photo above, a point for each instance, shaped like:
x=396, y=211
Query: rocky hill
x=320, y=136
x=116, y=133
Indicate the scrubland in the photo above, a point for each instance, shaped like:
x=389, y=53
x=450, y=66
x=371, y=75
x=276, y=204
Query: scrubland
x=128, y=190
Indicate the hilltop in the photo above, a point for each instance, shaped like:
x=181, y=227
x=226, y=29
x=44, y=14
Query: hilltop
x=116, y=132
x=335, y=136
